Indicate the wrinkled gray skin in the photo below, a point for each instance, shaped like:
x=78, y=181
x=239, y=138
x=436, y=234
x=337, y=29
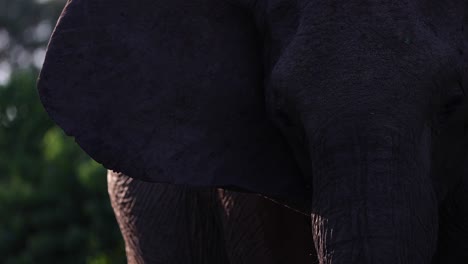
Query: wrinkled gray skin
x=164, y=223
x=170, y=224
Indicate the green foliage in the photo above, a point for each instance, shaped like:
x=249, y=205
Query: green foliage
x=54, y=206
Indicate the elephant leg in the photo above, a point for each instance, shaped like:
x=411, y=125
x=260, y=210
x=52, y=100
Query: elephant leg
x=373, y=199
x=166, y=224
x=453, y=230
x=257, y=230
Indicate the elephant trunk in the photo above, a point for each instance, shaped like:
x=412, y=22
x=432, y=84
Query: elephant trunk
x=373, y=199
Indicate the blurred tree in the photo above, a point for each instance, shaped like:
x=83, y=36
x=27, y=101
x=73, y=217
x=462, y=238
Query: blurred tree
x=54, y=206
x=25, y=28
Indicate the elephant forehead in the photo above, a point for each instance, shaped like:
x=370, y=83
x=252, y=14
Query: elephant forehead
x=399, y=20
x=323, y=38
x=326, y=57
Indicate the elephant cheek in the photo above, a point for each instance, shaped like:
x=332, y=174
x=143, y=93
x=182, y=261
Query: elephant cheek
x=373, y=200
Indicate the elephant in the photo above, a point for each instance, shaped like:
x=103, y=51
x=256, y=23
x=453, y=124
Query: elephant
x=352, y=112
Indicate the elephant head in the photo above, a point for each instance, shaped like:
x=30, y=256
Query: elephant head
x=337, y=108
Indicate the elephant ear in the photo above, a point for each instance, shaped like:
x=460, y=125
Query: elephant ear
x=167, y=91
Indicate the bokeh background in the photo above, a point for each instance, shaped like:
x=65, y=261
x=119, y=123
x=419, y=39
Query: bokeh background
x=54, y=206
